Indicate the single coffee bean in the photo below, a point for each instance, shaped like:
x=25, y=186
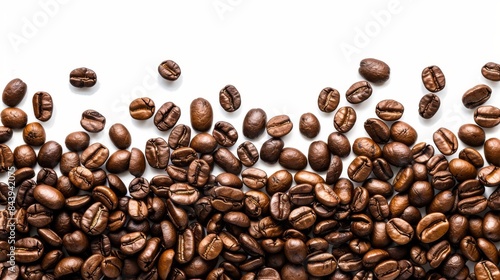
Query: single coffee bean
x=360, y=168
x=471, y=135
x=374, y=70
x=228, y=161
x=309, y=125
x=303, y=195
x=120, y=136
x=183, y=194
x=132, y=243
x=49, y=196
x=350, y=262
x=137, y=164
x=338, y=144
x=442, y=202
x=77, y=141
x=491, y=71
x=334, y=170
x=302, y=218
x=433, y=78
x=271, y=150
x=279, y=126
x=254, y=123
x=76, y=242
x=422, y=152
x=486, y=270
x=328, y=99
x=279, y=181
x=94, y=156
x=438, y=253
x=462, y=170
x=387, y=270
x=472, y=205
x=489, y=176
x=476, y=96
x=320, y=265
x=14, y=118
x=404, y=133
x=429, y=105
x=397, y=154
x=491, y=226
x=203, y=143
x=364, y=146
x=445, y=141
x=68, y=161
x=319, y=156
x=400, y=231
x=167, y=116
x=95, y=219
x=6, y=158
x=432, y=227
x=42, y=106
x=68, y=266
x=389, y=110
x=142, y=108
x=225, y=134
x=49, y=154
x=344, y=119
x=488, y=249
x=248, y=153
x=470, y=188
x=292, y=158
x=254, y=178
x=28, y=250
x=377, y=130
x=487, y=116
x=359, y=92
x=82, y=77
x=169, y=70
x=92, y=121
x=201, y=114
x=14, y=92
x=492, y=151
x=91, y=268
x=5, y=134
x=420, y=193
x=229, y=98
x=81, y=178
x=157, y=153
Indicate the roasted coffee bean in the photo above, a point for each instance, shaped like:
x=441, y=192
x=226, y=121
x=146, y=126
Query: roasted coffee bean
x=319, y=156
x=462, y=170
x=326, y=195
x=432, y=227
x=201, y=114
x=359, y=92
x=338, y=144
x=429, y=105
x=169, y=70
x=433, y=78
x=360, y=199
x=486, y=270
x=350, y=262
x=364, y=146
x=118, y=162
x=491, y=226
x=302, y=218
x=157, y=152
x=139, y=188
x=400, y=231
x=387, y=270
x=227, y=160
x=374, y=70
x=437, y=163
x=137, y=164
x=492, y=151
x=472, y=205
x=49, y=154
x=6, y=158
x=389, y=110
x=68, y=161
x=76, y=242
x=491, y=71
x=225, y=134
x=167, y=116
x=381, y=169
x=94, y=156
x=49, y=196
x=403, y=132
x=91, y=268
x=42, y=106
x=92, y=121
x=489, y=176
x=142, y=108
x=279, y=126
x=279, y=181
x=183, y=194
x=248, y=153
x=120, y=136
x=229, y=98
x=438, y=253
x=397, y=154
x=443, y=202
x=445, y=141
x=476, y=96
x=487, y=116
x=378, y=207
x=309, y=125
x=5, y=134
x=14, y=92
x=292, y=158
x=488, y=249
x=470, y=188
x=295, y=250
x=82, y=77
x=420, y=193
x=328, y=99
x=68, y=266
x=334, y=170
x=377, y=130
x=34, y=134
x=254, y=123
x=375, y=186
x=321, y=264
x=344, y=119
x=132, y=243
x=77, y=141
x=95, y=219
x=28, y=250
x=14, y=118
x=271, y=150
x=471, y=135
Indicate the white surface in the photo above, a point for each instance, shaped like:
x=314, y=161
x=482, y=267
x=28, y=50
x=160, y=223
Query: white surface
x=279, y=54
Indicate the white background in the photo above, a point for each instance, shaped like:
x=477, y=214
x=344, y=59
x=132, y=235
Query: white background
x=279, y=54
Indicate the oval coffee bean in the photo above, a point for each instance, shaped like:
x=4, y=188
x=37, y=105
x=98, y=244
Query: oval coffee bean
x=328, y=100
x=302, y=218
x=14, y=118
x=387, y=270
x=14, y=92
x=359, y=92
x=92, y=121
x=94, y=156
x=82, y=77
x=225, y=159
x=229, y=98
x=28, y=250
x=169, y=70
x=309, y=125
x=95, y=219
x=429, y=105
x=476, y=96
x=344, y=119
x=201, y=114
x=279, y=126
x=374, y=70
x=254, y=123
x=400, y=231
x=445, y=141
x=292, y=158
x=433, y=78
x=397, y=154
x=132, y=243
x=42, y=106
x=389, y=110
x=492, y=151
x=225, y=134
x=247, y=153
x=491, y=71
x=487, y=116
x=471, y=135
x=320, y=265
x=432, y=227
x=319, y=156
x=142, y=108
x=120, y=136
x=179, y=137
x=34, y=134
x=49, y=196
x=167, y=116
x=210, y=247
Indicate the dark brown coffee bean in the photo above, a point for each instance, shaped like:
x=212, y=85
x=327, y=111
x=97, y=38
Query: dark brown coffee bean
x=470, y=188
x=462, y=170
x=491, y=226
x=279, y=126
x=377, y=130
x=203, y=143
x=488, y=249
x=445, y=141
x=271, y=150
x=92, y=121
x=360, y=168
x=81, y=178
x=225, y=134
x=471, y=135
x=76, y=242
x=486, y=270
x=68, y=161
x=334, y=170
x=68, y=266
x=487, y=116
x=375, y=186
x=94, y=156
x=106, y=196
x=492, y=151
x=443, y=202
x=91, y=268
x=95, y=219
x=295, y=250
x=429, y=105
x=229, y=98
x=183, y=194
x=279, y=181
x=210, y=247
x=476, y=96
x=142, y=108
x=338, y=144
x=491, y=71
x=292, y=158
x=433, y=78
x=489, y=176
x=157, y=152
x=137, y=164
x=49, y=154
x=5, y=134
x=169, y=70
x=328, y=100
x=248, y=153
x=387, y=270
x=14, y=118
x=319, y=156
x=403, y=132
x=6, y=158
x=400, y=231
x=437, y=163
x=14, y=92
x=302, y=218
x=374, y=70
x=82, y=77
x=254, y=123
x=344, y=119
x=472, y=205
x=132, y=243
x=120, y=136
x=432, y=227
x=320, y=265
x=309, y=125
x=389, y=110
x=364, y=146
x=397, y=154
x=358, y=92
x=227, y=160
x=167, y=116
x=49, y=196
x=28, y=250
x=381, y=169
x=77, y=141
x=438, y=253
x=42, y=106
x=201, y=114
x=420, y=193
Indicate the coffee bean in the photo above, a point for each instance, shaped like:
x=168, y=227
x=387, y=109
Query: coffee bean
x=344, y=119
x=492, y=150
x=28, y=250
x=399, y=231
x=92, y=121
x=388, y=269
x=167, y=116
x=438, y=253
x=489, y=176
x=377, y=130
x=476, y=96
x=179, y=137
x=49, y=196
x=429, y=105
x=292, y=158
x=5, y=134
x=14, y=92
x=374, y=70
x=397, y=154
x=328, y=99
x=42, y=106
x=491, y=71
x=319, y=156
x=364, y=146
x=14, y=118
x=77, y=141
x=142, y=108
x=49, y=154
x=82, y=77
x=432, y=227
x=309, y=125
x=201, y=114
x=225, y=134
x=433, y=78
x=229, y=98
x=471, y=135
x=338, y=144
x=486, y=270
x=94, y=156
x=321, y=264
x=279, y=126
x=445, y=141
x=120, y=136
x=81, y=178
x=169, y=70
x=248, y=153
x=254, y=123
x=203, y=143
x=302, y=218
x=359, y=92
x=6, y=158
x=389, y=110
x=487, y=116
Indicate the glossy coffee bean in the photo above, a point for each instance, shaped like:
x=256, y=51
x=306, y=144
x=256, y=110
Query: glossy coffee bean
x=77, y=141
x=142, y=108
x=397, y=154
x=339, y=144
x=49, y=196
x=201, y=114
x=445, y=140
x=82, y=77
x=400, y=231
x=120, y=136
x=359, y=92
x=292, y=158
x=230, y=98
x=487, y=116
x=344, y=119
x=374, y=70
x=432, y=227
x=433, y=78
x=309, y=125
x=167, y=116
x=328, y=100
x=476, y=96
x=14, y=118
x=42, y=106
x=14, y=92
x=49, y=154
x=377, y=130
x=389, y=110
x=169, y=70
x=225, y=134
x=429, y=105
x=254, y=123
x=491, y=71
x=471, y=135
x=92, y=121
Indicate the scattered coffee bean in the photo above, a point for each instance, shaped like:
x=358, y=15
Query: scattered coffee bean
x=476, y=96
x=359, y=92
x=92, y=121
x=169, y=70
x=42, y=106
x=433, y=78
x=82, y=77
x=389, y=110
x=487, y=116
x=229, y=98
x=491, y=71
x=14, y=92
x=429, y=105
x=142, y=108
x=374, y=70
x=328, y=99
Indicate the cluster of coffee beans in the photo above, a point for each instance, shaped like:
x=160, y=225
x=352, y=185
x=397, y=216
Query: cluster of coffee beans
x=405, y=210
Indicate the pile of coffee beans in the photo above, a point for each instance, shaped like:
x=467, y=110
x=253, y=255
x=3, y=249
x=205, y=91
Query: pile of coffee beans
x=406, y=210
